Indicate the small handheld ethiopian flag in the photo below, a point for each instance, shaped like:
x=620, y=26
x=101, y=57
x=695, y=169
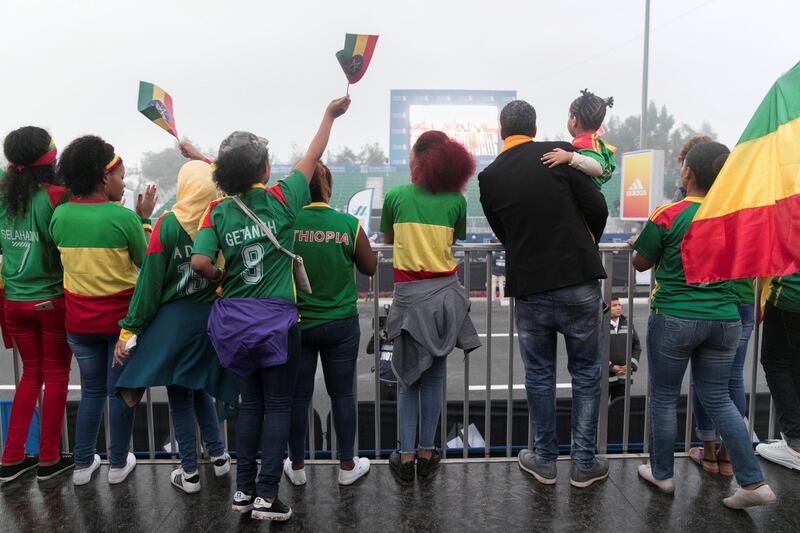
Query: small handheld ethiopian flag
x=356, y=55
x=156, y=105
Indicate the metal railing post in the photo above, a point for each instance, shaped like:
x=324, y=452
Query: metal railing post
x=151, y=435
x=751, y=412
x=628, y=357
x=604, y=347
x=510, y=392
x=376, y=344
x=487, y=423
x=465, y=423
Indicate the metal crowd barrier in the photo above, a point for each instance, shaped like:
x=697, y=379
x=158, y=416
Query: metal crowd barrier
x=469, y=253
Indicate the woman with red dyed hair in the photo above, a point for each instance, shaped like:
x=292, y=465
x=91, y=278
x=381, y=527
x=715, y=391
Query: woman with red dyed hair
x=430, y=313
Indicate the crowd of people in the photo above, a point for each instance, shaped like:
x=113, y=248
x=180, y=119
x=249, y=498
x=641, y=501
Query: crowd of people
x=237, y=291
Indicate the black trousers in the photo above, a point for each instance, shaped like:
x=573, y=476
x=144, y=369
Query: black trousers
x=780, y=357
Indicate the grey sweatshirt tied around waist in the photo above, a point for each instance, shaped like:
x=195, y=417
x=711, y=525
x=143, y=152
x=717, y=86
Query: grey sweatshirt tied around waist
x=428, y=318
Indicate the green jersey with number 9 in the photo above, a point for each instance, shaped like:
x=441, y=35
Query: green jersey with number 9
x=166, y=275
x=254, y=268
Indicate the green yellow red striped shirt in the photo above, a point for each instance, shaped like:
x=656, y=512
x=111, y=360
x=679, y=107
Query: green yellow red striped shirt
x=101, y=244
x=425, y=225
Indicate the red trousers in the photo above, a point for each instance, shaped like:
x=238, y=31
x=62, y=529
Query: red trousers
x=41, y=340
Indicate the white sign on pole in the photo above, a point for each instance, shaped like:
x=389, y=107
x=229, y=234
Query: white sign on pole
x=360, y=206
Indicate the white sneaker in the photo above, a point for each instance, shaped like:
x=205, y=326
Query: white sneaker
x=297, y=477
x=741, y=499
x=348, y=477
x=664, y=485
x=84, y=475
x=188, y=484
x=779, y=452
x=118, y=475
x=222, y=464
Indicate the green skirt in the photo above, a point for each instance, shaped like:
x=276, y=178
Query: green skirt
x=174, y=349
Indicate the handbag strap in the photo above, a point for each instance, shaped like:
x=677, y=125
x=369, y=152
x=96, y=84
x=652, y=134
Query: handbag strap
x=247, y=211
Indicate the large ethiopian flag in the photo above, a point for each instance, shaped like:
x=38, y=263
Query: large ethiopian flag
x=749, y=223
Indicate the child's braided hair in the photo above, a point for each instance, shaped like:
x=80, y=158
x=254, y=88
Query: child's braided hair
x=590, y=109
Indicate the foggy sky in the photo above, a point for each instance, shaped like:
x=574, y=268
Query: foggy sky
x=269, y=67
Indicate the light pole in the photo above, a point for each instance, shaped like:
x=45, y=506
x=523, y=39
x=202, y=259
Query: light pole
x=643, y=119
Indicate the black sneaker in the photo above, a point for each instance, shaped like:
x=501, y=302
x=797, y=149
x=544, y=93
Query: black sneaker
x=64, y=464
x=427, y=467
x=403, y=472
x=544, y=473
x=583, y=477
x=274, y=510
x=243, y=502
x=12, y=472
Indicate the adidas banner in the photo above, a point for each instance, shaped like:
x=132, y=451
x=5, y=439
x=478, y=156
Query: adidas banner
x=642, y=184
x=360, y=206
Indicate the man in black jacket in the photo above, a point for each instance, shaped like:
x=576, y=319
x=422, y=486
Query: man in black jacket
x=618, y=371
x=549, y=220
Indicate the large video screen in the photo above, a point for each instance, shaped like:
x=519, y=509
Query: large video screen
x=471, y=117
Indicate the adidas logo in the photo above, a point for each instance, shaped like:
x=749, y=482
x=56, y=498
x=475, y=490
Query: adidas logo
x=636, y=189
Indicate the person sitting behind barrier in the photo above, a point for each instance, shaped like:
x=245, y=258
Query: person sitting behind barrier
x=549, y=220
x=618, y=372
x=429, y=315
x=692, y=323
x=330, y=243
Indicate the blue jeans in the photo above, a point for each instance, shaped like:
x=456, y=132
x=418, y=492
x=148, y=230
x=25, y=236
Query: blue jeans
x=264, y=419
x=336, y=343
x=710, y=346
x=428, y=390
x=99, y=379
x=704, y=426
x=186, y=405
x=575, y=313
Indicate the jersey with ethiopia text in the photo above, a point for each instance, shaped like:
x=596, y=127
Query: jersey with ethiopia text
x=31, y=267
x=254, y=268
x=591, y=145
x=101, y=244
x=166, y=274
x=425, y=226
x=660, y=242
x=326, y=240
x=785, y=293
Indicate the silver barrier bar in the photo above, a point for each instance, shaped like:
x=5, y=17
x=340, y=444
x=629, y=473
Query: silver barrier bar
x=626, y=425
x=510, y=391
x=173, y=447
x=687, y=440
x=64, y=433
x=604, y=346
x=106, y=428
x=443, y=423
x=772, y=415
x=530, y=431
x=332, y=444
x=151, y=434
x=487, y=422
x=646, y=436
x=311, y=433
x=355, y=395
x=751, y=412
x=376, y=344
x=465, y=423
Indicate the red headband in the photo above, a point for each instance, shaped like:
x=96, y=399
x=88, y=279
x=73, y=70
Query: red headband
x=45, y=159
x=113, y=164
